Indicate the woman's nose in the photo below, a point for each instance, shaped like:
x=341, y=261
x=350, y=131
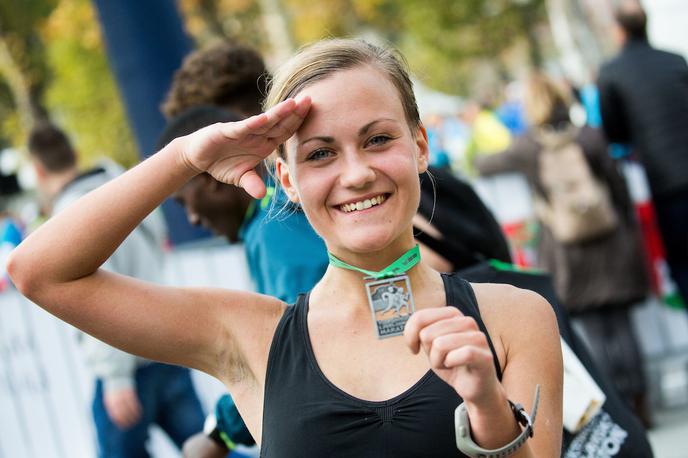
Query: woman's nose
x=356, y=171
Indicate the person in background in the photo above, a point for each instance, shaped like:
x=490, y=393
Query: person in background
x=511, y=112
x=221, y=83
x=598, y=275
x=318, y=368
x=131, y=393
x=453, y=226
x=644, y=103
x=225, y=74
x=488, y=134
x=284, y=254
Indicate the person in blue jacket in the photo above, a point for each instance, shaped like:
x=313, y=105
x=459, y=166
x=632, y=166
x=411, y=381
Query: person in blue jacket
x=284, y=254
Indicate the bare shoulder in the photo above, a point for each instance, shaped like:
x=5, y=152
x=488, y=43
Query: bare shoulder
x=512, y=306
x=515, y=317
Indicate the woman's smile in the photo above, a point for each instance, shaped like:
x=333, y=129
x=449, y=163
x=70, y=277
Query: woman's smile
x=363, y=203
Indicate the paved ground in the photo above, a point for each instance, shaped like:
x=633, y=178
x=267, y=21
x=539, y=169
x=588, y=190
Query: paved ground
x=669, y=437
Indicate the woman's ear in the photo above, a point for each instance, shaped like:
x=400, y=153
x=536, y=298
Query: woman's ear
x=423, y=149
x=285, y=178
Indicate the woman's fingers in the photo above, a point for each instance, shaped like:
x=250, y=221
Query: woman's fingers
x=469, y=345
x=469, y=356
x=451, y=325
x=281, y=121
x=449, y=338
x=287, y=122
x=422, y=319
x=253, y=184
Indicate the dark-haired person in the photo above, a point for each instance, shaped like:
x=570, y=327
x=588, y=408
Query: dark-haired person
x=284, y=255
x=644, y=103
x=224, y=82
x=225, y=74
x=131, y=393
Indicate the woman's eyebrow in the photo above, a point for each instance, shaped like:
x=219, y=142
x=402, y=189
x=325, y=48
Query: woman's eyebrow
x=319, y=138
x=362, y=131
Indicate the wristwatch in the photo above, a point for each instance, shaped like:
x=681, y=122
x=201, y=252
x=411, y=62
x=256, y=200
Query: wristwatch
x=465, y=442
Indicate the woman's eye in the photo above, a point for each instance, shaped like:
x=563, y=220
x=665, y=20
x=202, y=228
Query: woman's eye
x=379, y=140
x=319, y=154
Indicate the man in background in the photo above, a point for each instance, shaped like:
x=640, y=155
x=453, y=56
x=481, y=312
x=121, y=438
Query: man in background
x=644, y=103
x=131, y=394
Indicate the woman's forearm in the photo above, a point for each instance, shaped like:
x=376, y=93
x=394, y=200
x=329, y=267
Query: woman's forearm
x=74, y=243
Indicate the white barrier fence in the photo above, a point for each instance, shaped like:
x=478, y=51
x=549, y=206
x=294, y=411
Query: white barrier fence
x=45, y=390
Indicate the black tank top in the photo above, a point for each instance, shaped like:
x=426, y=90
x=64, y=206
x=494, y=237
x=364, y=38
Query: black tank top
x=306, y=416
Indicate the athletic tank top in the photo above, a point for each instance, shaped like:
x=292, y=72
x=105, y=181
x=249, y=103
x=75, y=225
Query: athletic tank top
x=306, y=416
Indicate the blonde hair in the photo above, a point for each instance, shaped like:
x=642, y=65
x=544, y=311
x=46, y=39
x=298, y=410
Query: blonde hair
x=544, y=99
x=321, y=59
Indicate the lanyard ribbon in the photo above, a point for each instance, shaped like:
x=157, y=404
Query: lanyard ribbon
x=398, y=267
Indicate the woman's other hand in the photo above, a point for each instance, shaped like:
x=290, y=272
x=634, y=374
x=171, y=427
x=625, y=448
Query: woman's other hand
x=457, y=350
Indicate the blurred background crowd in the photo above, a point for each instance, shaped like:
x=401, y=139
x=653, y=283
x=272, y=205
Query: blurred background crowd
x=502, y=85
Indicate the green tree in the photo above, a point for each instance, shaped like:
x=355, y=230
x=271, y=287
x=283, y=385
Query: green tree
x=23, y=73
x=53, y=66
x=82, y=95
x=442, y=39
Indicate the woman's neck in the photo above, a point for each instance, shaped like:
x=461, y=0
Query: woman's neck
x=377, y=260
x=347, y=289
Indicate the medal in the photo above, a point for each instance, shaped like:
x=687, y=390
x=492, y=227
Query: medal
x=391, y=302
x=389, y=293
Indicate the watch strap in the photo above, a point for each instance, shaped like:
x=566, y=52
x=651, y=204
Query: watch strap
x=465, y=442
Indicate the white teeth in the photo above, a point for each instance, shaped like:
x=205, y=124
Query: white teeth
x=363, y=204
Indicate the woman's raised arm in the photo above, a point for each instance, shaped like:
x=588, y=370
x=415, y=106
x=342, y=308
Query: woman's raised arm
x=58, y=265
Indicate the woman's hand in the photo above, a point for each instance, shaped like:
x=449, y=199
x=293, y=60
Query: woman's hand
x=231, y=151
x=457, y=350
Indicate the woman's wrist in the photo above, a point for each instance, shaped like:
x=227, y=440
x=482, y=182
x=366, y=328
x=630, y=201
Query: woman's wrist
x=490, y=411
x=176, y=150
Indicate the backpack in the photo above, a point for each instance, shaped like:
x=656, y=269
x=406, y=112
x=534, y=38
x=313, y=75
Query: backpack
x=575, y=205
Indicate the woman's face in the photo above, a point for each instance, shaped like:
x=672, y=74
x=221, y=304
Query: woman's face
x=353, y=164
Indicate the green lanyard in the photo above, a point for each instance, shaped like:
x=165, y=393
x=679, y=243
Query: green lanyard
x=398, y=267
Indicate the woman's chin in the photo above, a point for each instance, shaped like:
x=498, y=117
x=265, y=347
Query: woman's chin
x=366, y=243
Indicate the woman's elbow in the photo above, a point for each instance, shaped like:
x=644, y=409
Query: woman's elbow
x=23, y=273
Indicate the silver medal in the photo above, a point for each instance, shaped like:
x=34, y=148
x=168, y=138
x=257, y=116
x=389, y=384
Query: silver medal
x=391, y=303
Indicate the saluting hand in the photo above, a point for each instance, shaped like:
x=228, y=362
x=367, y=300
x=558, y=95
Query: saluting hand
x=457, y=350
x=231, y=151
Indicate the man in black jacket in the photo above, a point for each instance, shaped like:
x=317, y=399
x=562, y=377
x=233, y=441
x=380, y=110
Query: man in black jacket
x=644, y=102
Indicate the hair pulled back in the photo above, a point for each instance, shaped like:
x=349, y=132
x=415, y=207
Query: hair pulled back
x=317, y=61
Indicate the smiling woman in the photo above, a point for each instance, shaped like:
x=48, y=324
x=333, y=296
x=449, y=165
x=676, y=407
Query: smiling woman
x=317, y=379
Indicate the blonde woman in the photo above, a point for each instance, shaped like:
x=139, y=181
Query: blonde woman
x=597, y=275
x=315, y=379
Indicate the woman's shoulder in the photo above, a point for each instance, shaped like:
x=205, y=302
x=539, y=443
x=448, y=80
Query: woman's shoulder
x=508, y=309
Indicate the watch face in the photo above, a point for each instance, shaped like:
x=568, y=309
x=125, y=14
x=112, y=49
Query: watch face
x=210, y=424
